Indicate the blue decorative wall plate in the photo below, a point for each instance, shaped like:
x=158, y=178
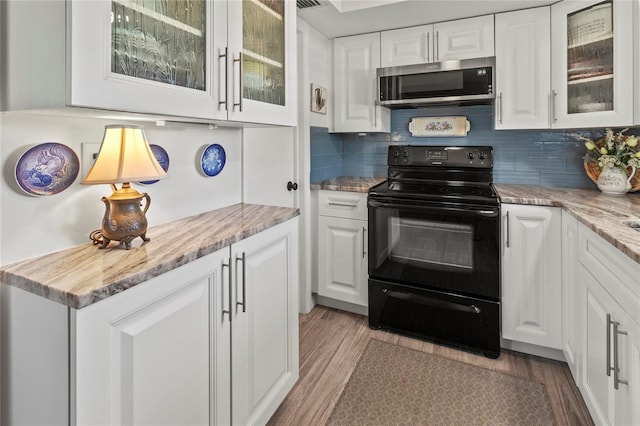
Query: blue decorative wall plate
x=162, y=157
x=213, y=160
x=47, y=169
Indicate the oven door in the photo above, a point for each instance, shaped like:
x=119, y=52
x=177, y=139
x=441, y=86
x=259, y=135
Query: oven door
x=435, y=245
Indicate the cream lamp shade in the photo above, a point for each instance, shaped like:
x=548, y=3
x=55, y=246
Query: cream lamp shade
x=125, y=156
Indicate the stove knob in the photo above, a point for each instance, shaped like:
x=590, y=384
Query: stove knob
x=470, y=155
x=405, y=153
x=482, y=155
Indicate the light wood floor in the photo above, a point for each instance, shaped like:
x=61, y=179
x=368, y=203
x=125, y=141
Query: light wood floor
x=331, y=341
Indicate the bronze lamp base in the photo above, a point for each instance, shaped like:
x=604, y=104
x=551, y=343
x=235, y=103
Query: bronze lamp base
x=124, y=219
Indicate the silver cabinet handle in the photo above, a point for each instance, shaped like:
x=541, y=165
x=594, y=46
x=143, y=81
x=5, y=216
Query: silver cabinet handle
x=609, y=345
x=437, y=54
x=225, y=55
x=333, y=203
x=554, y=118
x=500, y=108
x=244, y=282
x=364, y=230
x=428, y=47
x=241, y=81
x=507, y=220
x=616, y=369
x=226, y=311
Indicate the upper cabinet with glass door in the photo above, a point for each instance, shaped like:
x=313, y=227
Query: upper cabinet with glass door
x=262, y=61
x=127, y=55
x=592, y=63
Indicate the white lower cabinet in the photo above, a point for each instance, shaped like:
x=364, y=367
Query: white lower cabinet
x=342, y=247
x=610, y=376
x=264, y=341
x=531, y=275
x=572, y=296
x=142, y=356
x=213, y=342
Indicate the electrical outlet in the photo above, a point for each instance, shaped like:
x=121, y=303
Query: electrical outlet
x=89, y=155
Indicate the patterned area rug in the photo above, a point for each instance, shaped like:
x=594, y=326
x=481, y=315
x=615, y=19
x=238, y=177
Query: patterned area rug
x=394, y=385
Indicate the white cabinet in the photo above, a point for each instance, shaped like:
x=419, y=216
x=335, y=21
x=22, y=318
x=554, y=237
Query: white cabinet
x=464, y=38
x=531, y=275
x=143, y=57
x=611, y=333
x=523, y=69
x=151, y=344
x=572, y=295
x=114, y=55
x=213, y=342
x=460, y=39
x=592, y=63
x=342, y=246
x=264, y=344
x=262, y=85
x=355, y=85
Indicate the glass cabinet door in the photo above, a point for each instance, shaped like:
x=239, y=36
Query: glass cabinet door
x=262, y=49
x=592, y=63
x=163, y=41
x=147, y=56
x=263, y=61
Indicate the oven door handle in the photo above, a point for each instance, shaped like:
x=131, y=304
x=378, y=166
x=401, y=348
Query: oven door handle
x=476, y=211
x=431, y=302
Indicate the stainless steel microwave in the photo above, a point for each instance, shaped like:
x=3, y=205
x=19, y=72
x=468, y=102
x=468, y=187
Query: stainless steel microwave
x=468, y=81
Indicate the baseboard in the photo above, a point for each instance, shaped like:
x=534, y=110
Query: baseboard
x=343, y=306
x=530, y=349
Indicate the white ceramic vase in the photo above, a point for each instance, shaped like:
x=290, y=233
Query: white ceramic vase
x=614, y=180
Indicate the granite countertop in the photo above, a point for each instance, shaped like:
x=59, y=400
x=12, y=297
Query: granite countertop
x=604, y=214
x=82, y=275
x=349, y=183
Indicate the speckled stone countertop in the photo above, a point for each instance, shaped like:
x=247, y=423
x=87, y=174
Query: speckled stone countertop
x=82, y=275
x=604, y=214
x=349, y=183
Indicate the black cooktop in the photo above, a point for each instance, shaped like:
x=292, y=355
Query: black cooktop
x=439, y=174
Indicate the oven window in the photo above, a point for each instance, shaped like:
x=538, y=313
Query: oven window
x=431, y=244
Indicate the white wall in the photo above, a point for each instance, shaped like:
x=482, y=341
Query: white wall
x=320, y=68
x=33, y=226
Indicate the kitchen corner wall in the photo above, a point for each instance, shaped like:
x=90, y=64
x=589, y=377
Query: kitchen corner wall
x=551, y=158
x=33, y=226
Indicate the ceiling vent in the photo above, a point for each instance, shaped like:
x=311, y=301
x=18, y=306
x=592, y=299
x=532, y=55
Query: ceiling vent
x=308, y=4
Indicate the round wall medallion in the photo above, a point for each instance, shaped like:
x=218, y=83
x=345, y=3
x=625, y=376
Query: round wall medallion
x=47, y=169
x=213, y=160
x=162, y=157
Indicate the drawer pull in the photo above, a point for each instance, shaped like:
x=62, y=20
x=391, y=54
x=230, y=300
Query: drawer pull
x=333, y=203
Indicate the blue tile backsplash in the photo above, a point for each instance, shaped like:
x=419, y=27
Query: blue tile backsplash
x=551, y=158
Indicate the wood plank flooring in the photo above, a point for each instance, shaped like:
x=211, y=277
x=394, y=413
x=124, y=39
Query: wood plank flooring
x=331, y=342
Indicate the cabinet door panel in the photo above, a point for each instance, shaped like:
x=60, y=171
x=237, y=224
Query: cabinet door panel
x=464, y=38
x=341, y=264
x=406, y=46
x=572, y=295
x=129, y=67
x=523, y=69
x=531, y=280
x=355, y=61
x=264, y=337
x=146, y=348
x=596, y=384
x=262, y=63
x=592, y=65
x=143, y=356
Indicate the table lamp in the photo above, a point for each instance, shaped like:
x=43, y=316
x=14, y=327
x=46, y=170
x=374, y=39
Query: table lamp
x=124, y=156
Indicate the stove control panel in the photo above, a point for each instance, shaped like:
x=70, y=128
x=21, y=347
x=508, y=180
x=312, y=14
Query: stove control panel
x=441, y=156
